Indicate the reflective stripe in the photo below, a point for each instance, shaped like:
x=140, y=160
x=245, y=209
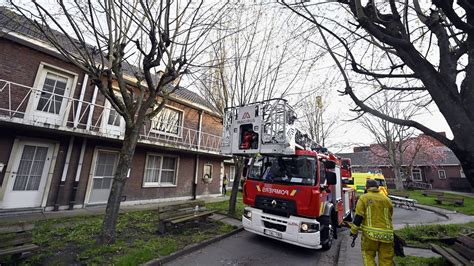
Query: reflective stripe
x=378, y=234
x=369, y=216
x=387, y=221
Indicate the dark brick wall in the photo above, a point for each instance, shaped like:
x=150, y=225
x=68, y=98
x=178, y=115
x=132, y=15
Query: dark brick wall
x=20, y=64
x=6, y=145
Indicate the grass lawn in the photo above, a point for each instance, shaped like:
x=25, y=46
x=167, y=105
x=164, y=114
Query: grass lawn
x=411, y=260
x=423, y=235
x=73, y=240
x=223, y=206
x=468, y=207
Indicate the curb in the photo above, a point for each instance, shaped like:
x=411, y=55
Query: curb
x=341, y=258
x=428, y=208
x=190, y=249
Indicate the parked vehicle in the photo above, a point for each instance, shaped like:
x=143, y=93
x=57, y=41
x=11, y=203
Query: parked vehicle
x=361, y=178
x=293, y=187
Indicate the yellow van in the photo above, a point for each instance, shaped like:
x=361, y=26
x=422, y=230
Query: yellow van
x=360, y=178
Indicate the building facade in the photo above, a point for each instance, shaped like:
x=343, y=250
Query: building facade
x=60, y=138
x=442, y=172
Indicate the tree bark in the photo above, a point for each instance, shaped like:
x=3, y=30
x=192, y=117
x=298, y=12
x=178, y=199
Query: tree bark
x=465, y=154
x=127, y=151
x=398, y=178
x=239, y=165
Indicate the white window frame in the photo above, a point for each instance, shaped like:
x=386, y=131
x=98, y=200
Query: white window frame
x=413, y=176
x=159, y=183
x=439, y=174
x=231, y=173
x=461, y=173
x=204, y=170
x=105, y=126
x=46, y=117
x=180, y=126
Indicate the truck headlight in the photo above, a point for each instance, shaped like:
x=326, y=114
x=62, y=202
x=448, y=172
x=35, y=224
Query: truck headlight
x=309, y=227
x=248, y=214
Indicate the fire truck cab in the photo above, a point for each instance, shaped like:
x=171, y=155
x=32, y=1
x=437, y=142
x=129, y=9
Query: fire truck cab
x=293, y=187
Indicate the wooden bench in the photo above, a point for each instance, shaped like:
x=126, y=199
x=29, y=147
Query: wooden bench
x=461, y=253
x=458, y=200
x=402, y=194
x=174, y=214
x=16, y=240
x=432, y=193
x=403, y=202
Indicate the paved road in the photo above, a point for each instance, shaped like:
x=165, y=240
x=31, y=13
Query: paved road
x=249, y=249
x=401, y=217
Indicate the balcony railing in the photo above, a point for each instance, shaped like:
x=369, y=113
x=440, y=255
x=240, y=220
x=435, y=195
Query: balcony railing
x=19, y=104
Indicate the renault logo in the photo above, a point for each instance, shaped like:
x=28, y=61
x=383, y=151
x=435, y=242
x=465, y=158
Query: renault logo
x=274, y=203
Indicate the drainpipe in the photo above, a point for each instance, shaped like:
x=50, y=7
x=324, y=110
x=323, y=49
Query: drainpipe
x=75, y=185
x=81, y=99
x=64, y=175
x=196, y=169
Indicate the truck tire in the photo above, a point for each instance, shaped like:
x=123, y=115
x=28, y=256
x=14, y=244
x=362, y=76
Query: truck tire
x=335, y=224
x=326, y=232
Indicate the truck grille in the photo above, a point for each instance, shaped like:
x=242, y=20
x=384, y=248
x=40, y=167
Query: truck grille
x=279, y=227
x=276, y=206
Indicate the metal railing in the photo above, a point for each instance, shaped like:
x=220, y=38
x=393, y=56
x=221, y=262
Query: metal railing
x=19, y=104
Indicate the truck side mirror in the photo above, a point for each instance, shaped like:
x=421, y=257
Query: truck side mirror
x=329, y=164
x=331, y=178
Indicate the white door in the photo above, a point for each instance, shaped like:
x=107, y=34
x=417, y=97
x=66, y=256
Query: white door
x=50, y=97
x=112, y=121
x=29, y=174
x=104, y=171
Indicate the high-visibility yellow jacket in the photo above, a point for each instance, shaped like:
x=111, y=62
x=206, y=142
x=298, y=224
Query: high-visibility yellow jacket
x=376, y=210
x=383, y=191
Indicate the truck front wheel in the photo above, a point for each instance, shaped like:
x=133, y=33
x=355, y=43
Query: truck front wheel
x=327, y=231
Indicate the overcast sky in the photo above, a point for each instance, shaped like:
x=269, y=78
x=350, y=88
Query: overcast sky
x=347, y=132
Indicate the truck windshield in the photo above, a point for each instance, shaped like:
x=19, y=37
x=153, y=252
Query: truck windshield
x=285, y=169
x=381, y=182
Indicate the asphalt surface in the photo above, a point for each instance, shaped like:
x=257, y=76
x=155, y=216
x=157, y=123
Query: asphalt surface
x=246, y=248
x=249, y=249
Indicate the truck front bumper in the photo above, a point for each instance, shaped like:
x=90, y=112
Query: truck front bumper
x=282, y=228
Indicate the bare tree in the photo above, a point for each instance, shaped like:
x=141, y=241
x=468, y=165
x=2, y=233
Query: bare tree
x=391, y=139
x=162, y=37
x=316, y=119
x=256, y=59
x=425, y=50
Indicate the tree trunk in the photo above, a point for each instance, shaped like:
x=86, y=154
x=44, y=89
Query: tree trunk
x=107, y=235
x=466, y=157
x=398, y=178
x=239, y=165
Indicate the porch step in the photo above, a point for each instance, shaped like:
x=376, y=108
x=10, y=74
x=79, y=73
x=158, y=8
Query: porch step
x=20, y=211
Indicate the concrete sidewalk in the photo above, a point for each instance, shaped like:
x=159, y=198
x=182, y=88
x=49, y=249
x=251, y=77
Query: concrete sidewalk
x=25, y=217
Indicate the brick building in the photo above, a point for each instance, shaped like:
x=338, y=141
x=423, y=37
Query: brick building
x=59, y=137
x=441, y=172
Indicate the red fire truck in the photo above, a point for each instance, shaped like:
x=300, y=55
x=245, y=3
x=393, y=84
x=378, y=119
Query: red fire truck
x=293, y=187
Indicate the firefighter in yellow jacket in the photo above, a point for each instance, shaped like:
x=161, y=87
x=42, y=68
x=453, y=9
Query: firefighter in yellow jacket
x=374, y=218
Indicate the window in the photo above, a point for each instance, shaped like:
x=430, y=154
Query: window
x=48, y=102
x=114, y=118
x=442, y=174
x=52, y=93
x=461, y=172
x=160, y=170
x=168, y=121
x=207, y=172
x=416, y=175
x=231, y=173
x=112, y=121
